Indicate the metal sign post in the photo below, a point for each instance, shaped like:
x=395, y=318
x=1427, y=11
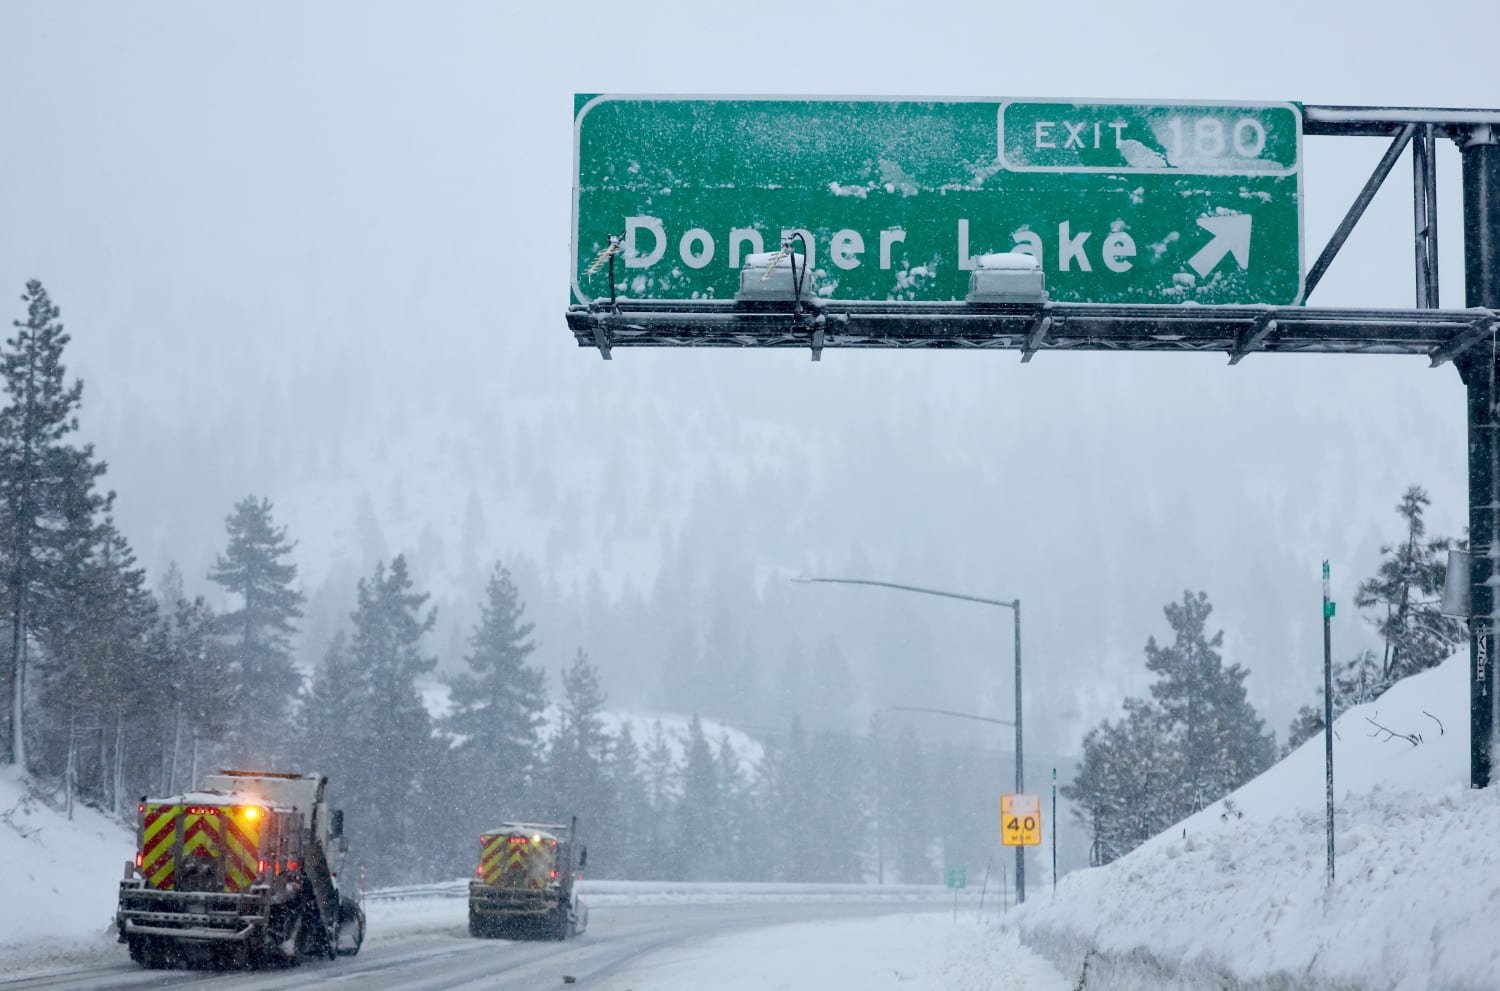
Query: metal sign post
x=958, y=879
x=1328, y=608
x=1054, y=830
x=1481, y=181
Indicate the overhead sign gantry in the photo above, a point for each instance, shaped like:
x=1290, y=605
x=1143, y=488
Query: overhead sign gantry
x=1166, y=226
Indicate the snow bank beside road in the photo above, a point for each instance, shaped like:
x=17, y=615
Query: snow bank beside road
x=60, y=876
x=1235, y=895
x=59, y=879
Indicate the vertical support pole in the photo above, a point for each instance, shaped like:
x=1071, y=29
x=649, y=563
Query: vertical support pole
x=1481, y=183
x=1328, y=711
x=1419, y=213
x=1424, y=215
x=1054, y=830
x=1020, y=766
x=1430, y=140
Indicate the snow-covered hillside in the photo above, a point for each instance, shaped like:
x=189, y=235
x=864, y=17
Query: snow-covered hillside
x=59, y=878
x=1235, y=895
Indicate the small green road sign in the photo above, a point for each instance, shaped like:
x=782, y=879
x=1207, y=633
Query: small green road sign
x=958, y=877
x=897, y=199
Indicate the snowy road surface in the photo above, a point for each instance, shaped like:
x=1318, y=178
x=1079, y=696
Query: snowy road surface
x=785, y=945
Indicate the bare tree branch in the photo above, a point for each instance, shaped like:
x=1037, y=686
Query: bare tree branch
x=1390, y=734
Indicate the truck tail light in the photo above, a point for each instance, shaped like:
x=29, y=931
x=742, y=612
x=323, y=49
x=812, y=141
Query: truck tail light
x=554, y=875
x=139, y=858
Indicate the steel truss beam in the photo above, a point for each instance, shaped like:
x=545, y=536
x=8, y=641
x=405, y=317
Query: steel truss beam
x=1235, y=330
x=1383, y=122
x=1420, y=127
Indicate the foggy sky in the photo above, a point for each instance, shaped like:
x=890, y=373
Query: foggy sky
x=338, y=217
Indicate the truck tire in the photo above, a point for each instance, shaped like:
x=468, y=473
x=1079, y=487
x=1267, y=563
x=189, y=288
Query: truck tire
x=233, y=956
x=312, y=937
x=331, y=939
x=561, y=924
x=147, y=951
x=351, y=928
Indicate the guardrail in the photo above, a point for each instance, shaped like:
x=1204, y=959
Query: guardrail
x=603, y=892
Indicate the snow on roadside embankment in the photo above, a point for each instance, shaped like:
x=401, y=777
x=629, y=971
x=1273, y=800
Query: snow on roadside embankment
x=59, y=878
x=1235, y=896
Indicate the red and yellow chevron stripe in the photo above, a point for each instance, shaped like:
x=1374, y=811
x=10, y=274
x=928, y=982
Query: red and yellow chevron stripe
x=202, y=833
x=241, y=847
x=158, y=838
x=230, y=835
x=491, y=857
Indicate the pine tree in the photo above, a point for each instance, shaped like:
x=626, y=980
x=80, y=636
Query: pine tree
x=395, y=746
x=193, y=659
x=331, y=713
x=883, y=791
x=1204, y=708
x=627, y=855
x=46, y=486
x=253, y=569
x=1122, y=787
x=497, y=705
x=1196, y=740
x=661, y=780
x=577, y=783
x=98, y=674
x=700, y=814
x=836, y=820
x=910, y=838
x=786, y=784
x=741, y=861
x=1409, y=586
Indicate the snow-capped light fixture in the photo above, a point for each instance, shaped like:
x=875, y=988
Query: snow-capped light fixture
x=774, y=276
x=1006, y=277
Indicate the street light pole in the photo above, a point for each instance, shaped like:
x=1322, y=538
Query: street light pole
x=1015, y=607
x=1020, y=764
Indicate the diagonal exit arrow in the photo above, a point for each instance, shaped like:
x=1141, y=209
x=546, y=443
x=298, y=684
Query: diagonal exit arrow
x=1231, y=235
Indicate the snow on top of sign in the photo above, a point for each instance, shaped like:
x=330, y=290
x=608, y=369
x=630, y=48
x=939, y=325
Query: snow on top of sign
x=1011, y=260
x=763, y=259
x=839, y=189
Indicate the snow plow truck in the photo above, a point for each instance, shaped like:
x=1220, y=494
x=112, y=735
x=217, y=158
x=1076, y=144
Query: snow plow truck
x=526, y=881
x=244, y=871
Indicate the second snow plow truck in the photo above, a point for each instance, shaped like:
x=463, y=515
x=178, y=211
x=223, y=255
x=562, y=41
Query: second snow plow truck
x=525, y=883
x=244, y=871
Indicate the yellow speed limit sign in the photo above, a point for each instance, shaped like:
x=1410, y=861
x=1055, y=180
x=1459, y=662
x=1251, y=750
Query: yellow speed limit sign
x=1020, y=820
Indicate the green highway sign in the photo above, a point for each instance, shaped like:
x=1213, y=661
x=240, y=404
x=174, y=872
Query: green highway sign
x=958, y=877
x=897, y=199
